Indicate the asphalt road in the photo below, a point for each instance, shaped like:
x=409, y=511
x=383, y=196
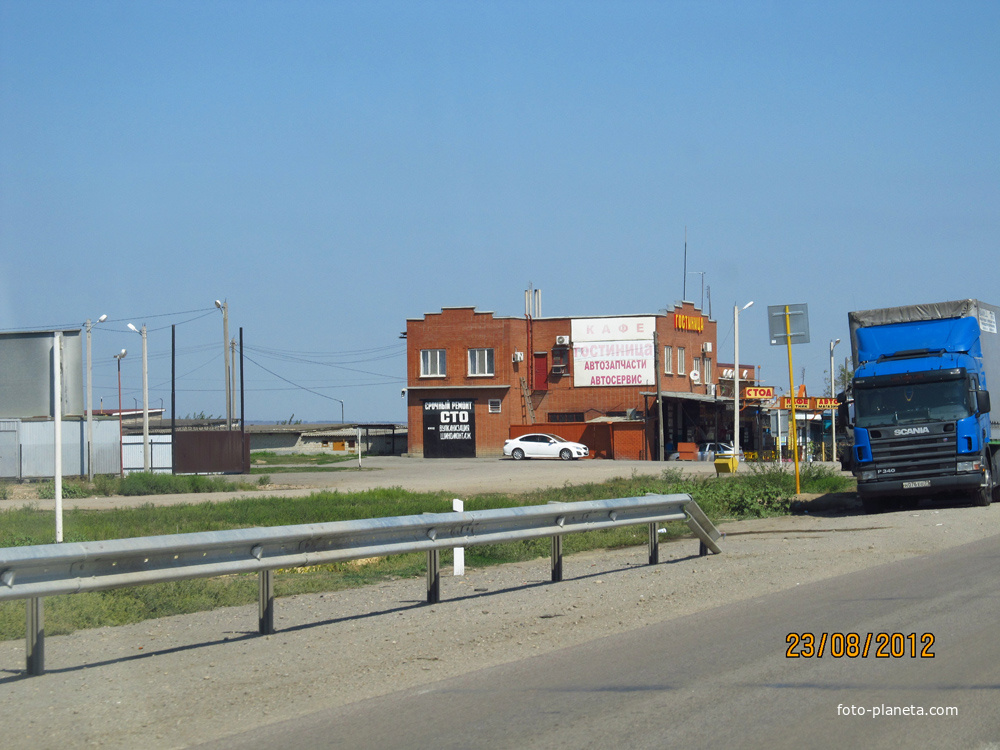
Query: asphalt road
x=721, y=677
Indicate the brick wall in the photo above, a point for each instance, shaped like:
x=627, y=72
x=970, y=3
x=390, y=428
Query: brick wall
x=456, y=330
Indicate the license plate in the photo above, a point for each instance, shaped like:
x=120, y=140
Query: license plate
x=915, y=485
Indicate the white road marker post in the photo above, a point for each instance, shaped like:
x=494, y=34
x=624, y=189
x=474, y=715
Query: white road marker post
x=459, y=561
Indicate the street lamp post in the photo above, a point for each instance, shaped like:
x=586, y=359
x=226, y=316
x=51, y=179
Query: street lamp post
x=341, y=409
x=121, y=444
x=145, y=399
x=833, y=412
x=736, y=378
x=90, y=403
x=224, y=306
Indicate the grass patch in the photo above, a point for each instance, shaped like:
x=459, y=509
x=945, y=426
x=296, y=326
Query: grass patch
x=143, y=483
x=763, y=491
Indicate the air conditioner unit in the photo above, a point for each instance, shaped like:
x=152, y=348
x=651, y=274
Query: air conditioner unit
x=558, y=369
x=562, y=340
x=711, y=389
x=708, y=347
x=517, y=357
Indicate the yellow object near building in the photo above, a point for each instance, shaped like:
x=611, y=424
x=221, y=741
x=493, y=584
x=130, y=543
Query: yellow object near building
x=726, y=465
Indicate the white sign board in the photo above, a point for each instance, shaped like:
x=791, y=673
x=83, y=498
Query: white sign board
x=613, y=329
x=613, y=352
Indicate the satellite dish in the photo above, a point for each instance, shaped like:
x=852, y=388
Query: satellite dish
x=695, y=377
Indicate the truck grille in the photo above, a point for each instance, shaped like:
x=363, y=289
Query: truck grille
x=914, y=456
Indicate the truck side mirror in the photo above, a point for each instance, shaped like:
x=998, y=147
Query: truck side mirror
x=844, y=414
x=983, y=402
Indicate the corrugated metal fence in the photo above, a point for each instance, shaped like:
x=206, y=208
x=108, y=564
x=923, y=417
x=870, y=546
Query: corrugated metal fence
x=27, y=448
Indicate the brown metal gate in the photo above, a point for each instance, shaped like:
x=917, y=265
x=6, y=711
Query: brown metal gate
x=211, y=452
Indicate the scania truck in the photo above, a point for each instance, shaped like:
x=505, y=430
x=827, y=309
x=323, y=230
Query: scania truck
x=922, y=424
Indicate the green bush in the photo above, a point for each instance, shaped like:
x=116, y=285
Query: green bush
x=70, y=489
x=106, y=484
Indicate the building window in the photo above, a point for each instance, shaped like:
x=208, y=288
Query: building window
x=432, y=363
x=494, y=405
x=668, y=360
x=680, y=361
x=565, y=416
x=481, y=362
x=696, y=366
x=707, y=375
x=560, y=361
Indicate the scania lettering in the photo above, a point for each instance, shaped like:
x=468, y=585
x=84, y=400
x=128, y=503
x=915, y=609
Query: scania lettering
x=922, y=423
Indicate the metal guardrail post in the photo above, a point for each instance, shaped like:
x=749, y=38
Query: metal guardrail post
x=35, y=640
x=557, y=558
x=433, y=576
x=654, y=544
x=265, y=605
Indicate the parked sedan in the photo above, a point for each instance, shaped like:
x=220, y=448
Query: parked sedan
x=542, y=445
x=709, y=452
x=712, y=451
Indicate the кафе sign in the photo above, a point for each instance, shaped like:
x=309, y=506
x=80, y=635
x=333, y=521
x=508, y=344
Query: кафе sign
x=613, y=351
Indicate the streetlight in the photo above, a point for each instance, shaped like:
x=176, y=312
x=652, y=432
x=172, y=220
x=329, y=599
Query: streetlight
x=145, y=399
x=90, y=403
x=121, y=448
x=341, y=409
x=224, y=306
x=736, y=378
x=833, y=412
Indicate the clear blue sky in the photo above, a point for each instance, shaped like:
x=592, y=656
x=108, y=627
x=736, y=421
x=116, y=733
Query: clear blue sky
x=333, y=168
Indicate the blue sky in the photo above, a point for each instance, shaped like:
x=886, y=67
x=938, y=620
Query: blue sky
x=334, y=168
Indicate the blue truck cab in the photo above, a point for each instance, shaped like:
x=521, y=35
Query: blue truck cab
x=922, y=422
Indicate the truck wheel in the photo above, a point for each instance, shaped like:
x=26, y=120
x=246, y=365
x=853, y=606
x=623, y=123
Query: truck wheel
x=984, y=495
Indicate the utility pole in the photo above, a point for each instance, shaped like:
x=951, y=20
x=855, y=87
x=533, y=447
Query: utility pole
x=659, y=395
x=145, y=399
x=232, y=376
x=90, y=403
x=224, y=306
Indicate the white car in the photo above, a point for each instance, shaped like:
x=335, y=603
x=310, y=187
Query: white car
x=711, y=451
x=542, y=445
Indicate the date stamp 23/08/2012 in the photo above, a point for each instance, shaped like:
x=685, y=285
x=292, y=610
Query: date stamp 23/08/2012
x=859, y=645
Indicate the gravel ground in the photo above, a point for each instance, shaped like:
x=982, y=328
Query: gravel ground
x=178, y=681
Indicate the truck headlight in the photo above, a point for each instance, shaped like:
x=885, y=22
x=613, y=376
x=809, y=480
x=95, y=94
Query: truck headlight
x=967, y=466
x=867, y=476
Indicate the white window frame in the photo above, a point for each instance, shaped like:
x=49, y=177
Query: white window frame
x=680, y=361
x=482, y=363
x=668, y=360
x=433, y=363
x=494, y=405
x=696, y=366
x=707, y=375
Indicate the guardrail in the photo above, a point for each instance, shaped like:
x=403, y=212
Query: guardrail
x=35, y=572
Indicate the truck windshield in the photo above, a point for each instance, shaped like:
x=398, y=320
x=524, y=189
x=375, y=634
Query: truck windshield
x=907, y=404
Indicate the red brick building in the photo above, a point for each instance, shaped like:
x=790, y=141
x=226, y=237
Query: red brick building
x=474, y=379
